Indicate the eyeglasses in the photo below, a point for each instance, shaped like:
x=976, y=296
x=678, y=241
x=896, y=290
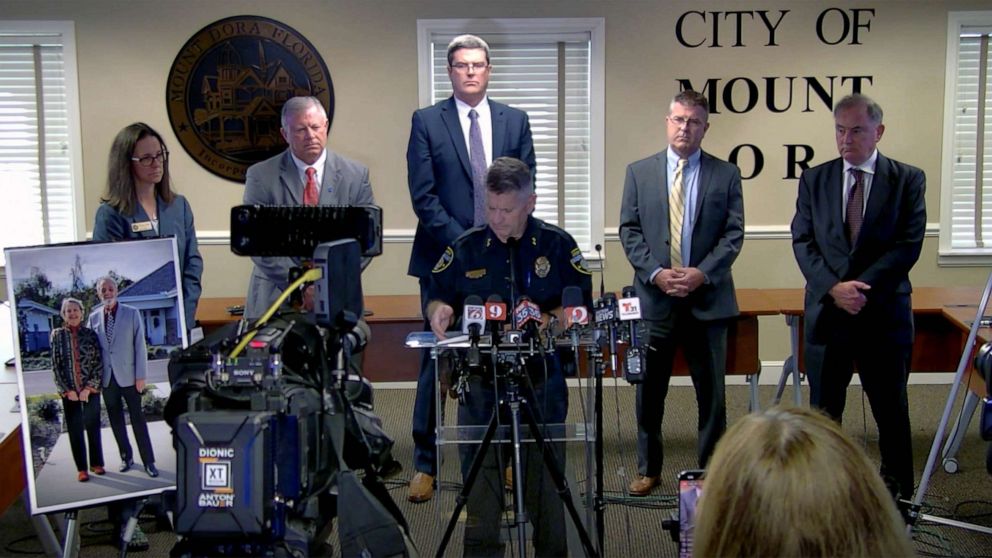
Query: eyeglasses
x=680, y=121
x=147, y=160
x=475, y=66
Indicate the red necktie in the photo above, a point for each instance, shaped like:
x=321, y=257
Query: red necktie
x=855, y=205
x=310, y=194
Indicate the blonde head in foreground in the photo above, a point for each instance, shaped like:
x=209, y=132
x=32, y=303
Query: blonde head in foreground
x=788, y=482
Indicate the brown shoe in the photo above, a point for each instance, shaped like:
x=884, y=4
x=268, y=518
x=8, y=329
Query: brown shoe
x=641, y=486
x=98, y=470
x=508, y=478
x=421, y=488
x=83, y=476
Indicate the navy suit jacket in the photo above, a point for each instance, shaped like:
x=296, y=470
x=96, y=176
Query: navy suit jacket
x=716, y=237
x=887, y=247
x=439, y=174
x=276, y=181
x=126, y=355
x=175, y=219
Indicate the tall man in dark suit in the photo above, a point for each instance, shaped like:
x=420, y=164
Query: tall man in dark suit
x=305, y=174
x=682, y=227
x=451, y=145
x=857, y=232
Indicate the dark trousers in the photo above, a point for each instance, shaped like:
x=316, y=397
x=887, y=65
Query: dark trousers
x=424, y=418
x=884, y=371
x=704, y=344
x=114, y=397
x=80, y=417
x=486, y=504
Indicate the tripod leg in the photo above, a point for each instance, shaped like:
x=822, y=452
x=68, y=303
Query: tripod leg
x=473, y=472
x=519, y=510
x=551, y=464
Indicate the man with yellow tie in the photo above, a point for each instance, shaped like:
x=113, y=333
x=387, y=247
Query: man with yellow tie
x=682, y=227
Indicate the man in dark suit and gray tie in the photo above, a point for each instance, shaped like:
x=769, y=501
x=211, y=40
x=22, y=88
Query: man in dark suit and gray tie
x=452, y=143
x=682, y=227
x=857, y=232
x=305, y=174
x=125, y=361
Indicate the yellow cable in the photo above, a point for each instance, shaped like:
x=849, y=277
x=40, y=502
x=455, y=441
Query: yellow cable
x=309, y=275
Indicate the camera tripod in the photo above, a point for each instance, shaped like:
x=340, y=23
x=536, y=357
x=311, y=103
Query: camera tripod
x=518, y=407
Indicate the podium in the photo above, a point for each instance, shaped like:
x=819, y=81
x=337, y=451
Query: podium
x=452, y=435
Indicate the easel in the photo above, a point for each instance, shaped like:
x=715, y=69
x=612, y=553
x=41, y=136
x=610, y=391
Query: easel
x=963, y=365
x=70, y=545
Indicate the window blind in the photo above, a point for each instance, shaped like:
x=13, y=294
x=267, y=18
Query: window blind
x=39, y=204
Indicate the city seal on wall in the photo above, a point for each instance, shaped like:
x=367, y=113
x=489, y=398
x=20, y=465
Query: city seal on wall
x=227, y=86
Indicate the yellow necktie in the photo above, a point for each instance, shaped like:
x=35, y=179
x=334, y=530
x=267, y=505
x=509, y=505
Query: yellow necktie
x=676, y=210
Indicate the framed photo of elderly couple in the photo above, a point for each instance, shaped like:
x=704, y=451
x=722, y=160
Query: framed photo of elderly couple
x=93, y=325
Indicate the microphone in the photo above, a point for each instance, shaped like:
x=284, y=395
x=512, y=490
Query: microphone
x=495, y=313
x=511, y=248
x=635, y=363
x=527, y=315
x=576, y=314
x=474, y=323
x=602, y=271
x=606, y=315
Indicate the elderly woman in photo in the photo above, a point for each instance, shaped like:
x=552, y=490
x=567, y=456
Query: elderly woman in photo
x=77, y=364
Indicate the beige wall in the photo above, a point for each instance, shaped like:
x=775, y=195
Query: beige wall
x=125, y=50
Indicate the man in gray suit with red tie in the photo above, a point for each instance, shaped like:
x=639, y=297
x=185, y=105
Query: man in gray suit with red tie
x=305, y=174
x=857, y=232
x=452, y=143
x=682, y=227
x=125, y=360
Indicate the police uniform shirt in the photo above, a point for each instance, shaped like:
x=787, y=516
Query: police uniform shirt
x=546, y=260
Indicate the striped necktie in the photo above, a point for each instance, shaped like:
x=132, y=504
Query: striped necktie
x=676, y=211
x=477, y=156
x=855, y=206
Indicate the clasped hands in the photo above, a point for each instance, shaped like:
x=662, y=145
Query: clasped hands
x=679, y=281
x=83, y=395
x=849, y=296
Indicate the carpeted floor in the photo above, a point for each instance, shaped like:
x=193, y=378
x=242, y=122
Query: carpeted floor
x=633, y=526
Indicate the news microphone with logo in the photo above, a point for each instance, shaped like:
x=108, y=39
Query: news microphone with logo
x=527, y=317
x=526, y=312
x=474, y=323
x=635, y=363
x=575, y=313
x=495, y=310
x=606, y=316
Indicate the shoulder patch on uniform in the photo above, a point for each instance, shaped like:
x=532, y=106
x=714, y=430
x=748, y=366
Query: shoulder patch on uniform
x=579, y=262
x=446, y=258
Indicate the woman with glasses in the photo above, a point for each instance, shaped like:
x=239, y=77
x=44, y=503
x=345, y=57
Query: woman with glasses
x=140, y=203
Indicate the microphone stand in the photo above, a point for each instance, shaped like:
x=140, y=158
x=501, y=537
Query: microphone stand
x=599, y=503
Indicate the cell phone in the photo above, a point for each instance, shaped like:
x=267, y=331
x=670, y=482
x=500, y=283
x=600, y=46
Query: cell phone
x=690, y=488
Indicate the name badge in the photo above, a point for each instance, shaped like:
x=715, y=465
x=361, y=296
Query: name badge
x=141, y=227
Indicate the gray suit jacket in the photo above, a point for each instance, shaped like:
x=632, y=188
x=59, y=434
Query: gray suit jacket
x=125, y=356
x=276, y=181
x=716, y=237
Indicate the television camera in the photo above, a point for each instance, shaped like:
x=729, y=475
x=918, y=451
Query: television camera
x=271, y=418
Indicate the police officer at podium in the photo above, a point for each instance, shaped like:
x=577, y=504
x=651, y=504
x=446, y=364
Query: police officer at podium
x=514, y=255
